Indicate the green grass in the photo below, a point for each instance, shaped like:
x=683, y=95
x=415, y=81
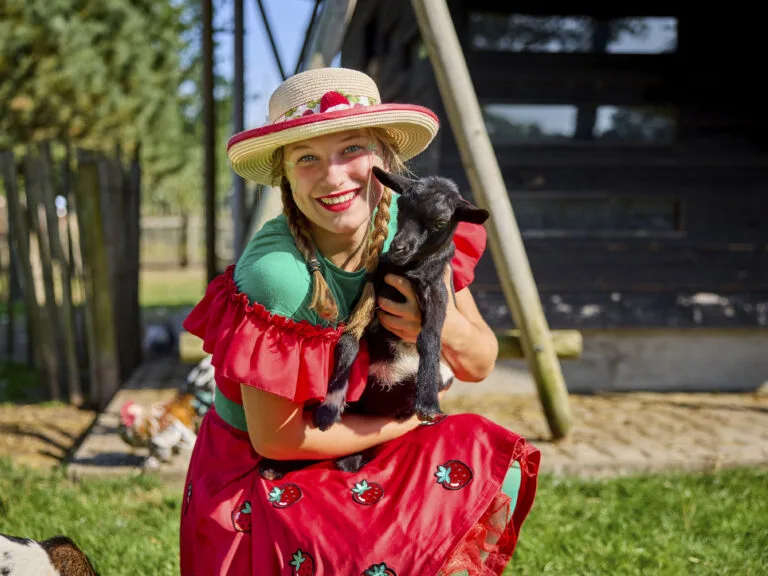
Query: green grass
x=126, y=527
x=171, y=288
x=682, y=524
x=670, y=524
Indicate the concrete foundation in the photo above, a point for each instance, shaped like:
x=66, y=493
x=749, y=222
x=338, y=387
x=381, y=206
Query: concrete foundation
x=650, y=360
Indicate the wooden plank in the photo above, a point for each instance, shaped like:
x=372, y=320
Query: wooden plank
x=19, y=230
x=568, y=344
x=489, y=191
x=51, y=336
x=103, y=351
x=66, y=309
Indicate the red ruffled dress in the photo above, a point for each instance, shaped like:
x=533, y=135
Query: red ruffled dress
x=429, y=503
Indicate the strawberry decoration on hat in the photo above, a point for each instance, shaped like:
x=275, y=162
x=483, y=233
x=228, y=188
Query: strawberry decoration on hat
x=333, y=101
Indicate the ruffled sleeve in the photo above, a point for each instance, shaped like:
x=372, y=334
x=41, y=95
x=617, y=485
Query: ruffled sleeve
x=470, y=240
x=253, y=346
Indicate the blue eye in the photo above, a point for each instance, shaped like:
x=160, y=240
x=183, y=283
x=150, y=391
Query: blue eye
x=353, y=148
x=307, y=158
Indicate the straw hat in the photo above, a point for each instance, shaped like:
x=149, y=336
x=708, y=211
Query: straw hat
x=321, y=101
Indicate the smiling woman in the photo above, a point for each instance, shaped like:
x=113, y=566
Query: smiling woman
x=442, y=498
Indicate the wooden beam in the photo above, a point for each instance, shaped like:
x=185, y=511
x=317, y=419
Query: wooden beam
x=329, y=35
x=568, y=344
x=481, y=165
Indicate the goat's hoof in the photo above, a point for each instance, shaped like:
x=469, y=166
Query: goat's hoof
x=270, y=473
x=325, y=415
x=429, y=418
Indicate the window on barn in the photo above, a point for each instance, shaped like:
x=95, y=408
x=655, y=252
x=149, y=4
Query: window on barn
x=521, y=124
x=580, y=214
x=500, y=32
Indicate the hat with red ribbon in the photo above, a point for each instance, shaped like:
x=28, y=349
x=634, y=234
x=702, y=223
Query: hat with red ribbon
x=322, y=101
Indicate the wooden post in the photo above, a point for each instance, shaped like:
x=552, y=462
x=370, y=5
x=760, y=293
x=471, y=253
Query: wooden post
x=102, y=340
x=66, y=311
x=238, y=120
x=332, y=24
x=479, y=159
x=20, y=238
x=51, y=338
x=209, y=142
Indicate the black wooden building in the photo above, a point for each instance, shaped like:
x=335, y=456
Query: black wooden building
x=633, y=140
x=634, y=145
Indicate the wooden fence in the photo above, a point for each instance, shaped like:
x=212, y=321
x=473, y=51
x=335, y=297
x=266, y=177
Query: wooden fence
x=76, y=266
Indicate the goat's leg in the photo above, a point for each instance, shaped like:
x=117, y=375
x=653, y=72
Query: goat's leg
x=329, y=411
x=432, y=301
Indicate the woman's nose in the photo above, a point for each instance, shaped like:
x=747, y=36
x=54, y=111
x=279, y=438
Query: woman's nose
x=334, y=172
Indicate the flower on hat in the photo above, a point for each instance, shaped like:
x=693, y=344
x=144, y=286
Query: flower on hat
x=332, y=101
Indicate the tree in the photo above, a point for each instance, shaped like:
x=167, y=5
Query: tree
x=101, y=73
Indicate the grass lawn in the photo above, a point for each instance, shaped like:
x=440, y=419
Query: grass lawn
x=173, y=287
x=671, y=524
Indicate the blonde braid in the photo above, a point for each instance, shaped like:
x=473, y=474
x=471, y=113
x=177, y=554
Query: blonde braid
x=323, y=302
x=363, y=313
x=364, y=310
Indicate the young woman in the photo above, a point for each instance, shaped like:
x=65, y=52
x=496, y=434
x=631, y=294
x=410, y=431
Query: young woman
x=448, y=498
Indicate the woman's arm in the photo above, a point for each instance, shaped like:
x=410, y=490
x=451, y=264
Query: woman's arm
x=469, y=345
x=281, y=430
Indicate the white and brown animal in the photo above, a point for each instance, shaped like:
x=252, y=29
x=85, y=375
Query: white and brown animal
x=57, y=556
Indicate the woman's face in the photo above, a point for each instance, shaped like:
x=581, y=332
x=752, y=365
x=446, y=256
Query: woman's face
x=331, y=179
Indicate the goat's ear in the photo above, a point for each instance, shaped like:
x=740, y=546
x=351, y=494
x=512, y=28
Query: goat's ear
x=397, y=183
x=466, y=212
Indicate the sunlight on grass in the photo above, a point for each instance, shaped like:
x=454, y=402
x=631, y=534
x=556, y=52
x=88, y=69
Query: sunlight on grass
x=126, y=526
x=686, y=524
x=670, y=524
x=173, y=287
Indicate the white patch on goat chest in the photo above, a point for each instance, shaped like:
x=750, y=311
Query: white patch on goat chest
x=24, y=559
x=404, y=364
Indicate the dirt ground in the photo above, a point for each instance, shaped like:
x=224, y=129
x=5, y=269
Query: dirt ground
x=39, y=435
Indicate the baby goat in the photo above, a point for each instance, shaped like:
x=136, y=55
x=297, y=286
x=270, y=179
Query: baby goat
x=403, y=378
x=57, y=556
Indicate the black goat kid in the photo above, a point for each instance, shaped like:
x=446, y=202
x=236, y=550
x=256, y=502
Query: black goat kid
x=403, y=378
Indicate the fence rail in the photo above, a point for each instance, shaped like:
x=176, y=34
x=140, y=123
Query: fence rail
x=180, y=241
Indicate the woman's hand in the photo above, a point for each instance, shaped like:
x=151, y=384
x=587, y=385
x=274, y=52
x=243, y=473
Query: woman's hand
x=469, y=346
x=404, y=319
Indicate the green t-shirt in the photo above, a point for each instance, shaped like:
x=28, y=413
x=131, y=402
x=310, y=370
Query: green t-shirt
x=273, y=273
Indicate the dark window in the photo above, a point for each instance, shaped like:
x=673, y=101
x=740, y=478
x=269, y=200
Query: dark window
x=578, y=34
x=553, y=214
x=516, y=124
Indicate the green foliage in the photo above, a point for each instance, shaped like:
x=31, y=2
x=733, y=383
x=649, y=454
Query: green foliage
x=105, y=73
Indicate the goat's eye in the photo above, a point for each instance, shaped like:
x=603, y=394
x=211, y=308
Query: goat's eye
x=439, y=224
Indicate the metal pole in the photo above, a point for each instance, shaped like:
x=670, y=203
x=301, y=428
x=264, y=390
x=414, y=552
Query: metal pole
x=238, y=183
x=268, y=28
x=481, y=165
x=209, y=141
